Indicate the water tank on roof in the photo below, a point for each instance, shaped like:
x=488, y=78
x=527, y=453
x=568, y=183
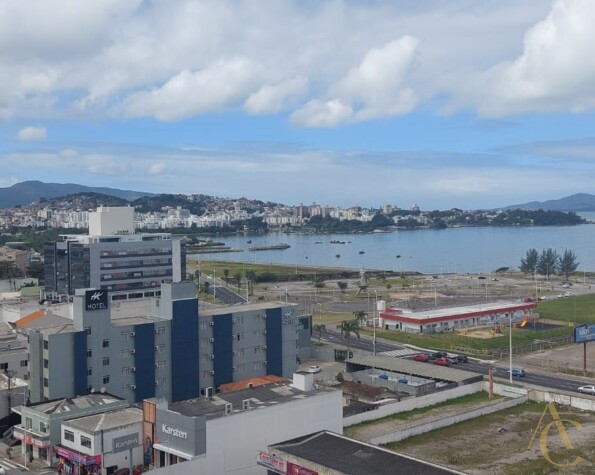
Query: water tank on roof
x=383, y=376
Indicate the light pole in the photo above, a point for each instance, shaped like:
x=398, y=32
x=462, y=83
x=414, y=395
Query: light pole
x=374, y=320
x=510, y=344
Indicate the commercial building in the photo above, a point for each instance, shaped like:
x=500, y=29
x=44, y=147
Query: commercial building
x=40, y=429
x=13, y=392
x=329, y=453
x=14, y=358
x=158, y=347
x=447, y=319
x=112, y=257
x=223, y=433
x=103, y=442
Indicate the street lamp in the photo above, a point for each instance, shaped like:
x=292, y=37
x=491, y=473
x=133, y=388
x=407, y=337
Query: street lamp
x=510, y=344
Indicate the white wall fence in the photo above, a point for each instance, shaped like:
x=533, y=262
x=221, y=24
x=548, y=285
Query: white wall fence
x=580, y=401
x=417, y=429
x=414, y=403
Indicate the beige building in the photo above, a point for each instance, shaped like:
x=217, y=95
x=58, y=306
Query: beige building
x=14, y=255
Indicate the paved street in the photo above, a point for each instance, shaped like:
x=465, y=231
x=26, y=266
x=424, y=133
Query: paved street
x=538, y=379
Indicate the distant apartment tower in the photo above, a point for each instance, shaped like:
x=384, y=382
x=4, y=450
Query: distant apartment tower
x=112, y=257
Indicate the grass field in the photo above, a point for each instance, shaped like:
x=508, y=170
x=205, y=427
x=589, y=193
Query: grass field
x=451, y=341
x=481, y=396
x=577, y=309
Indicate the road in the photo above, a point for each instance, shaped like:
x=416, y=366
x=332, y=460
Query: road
x=537, y=379
x=222, y=293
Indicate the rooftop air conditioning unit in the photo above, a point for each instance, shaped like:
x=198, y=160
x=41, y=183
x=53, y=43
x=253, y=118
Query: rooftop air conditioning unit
x=211, y=357
x=211, y=372
x=133, y=369
x=133, y=386
x=212, y=340
x=132, y=333
x=228, y=408
x=133, y=351
x=264, y=347
x=156, y=347
x=264, y=363
x=209, y=392
x=245, y=404
x=264, y=332
x=212, y=323
x=264, y=316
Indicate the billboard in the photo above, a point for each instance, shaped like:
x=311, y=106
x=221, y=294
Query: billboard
x=126, y=442
x=95, y=300
x=584, y=333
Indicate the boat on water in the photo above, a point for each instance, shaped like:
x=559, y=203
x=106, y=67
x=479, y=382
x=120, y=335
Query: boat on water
x=334, y=241
x=274, y=247
x=361, y=252
x=337, y=256
x=249, y=242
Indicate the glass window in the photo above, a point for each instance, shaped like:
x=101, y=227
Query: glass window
x=4, y=366
x=88, y=330
x=46, y=383
x=89, y=371
x=24, y=363
x=85, y=441
x=28, y=423
x=42, y=427
x=126, y=353
x=45, y=344
x=89, y=353
x=106, y=343
x=106, y=379
x=105, y=361
x=46, y=363
x=68, y=435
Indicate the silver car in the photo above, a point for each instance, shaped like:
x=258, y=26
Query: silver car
x=587, y=390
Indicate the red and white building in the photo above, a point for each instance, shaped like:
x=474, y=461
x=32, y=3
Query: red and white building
x=447, y=319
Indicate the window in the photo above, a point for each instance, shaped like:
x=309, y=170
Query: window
x=204, y=342
x=46, y=363
x=89, y=353
x=28, y=423
x=106, y=361
x=88, y=330
x=160, y=382
x=160, y=348
x=89, y=371
x=106, y=379
x=204, y=325
x=239, y=368
x=24, y=363
x=42, y=427
x=125, y=336
x=160, y=330
x=256, y=349
x=4, y=366
x=126, y=353
x=46, y=383
x=257, y=366
x=46, y=344
x=204, y=374
x=85, y=441
x=106, y=343
x=239, y=353
x=160, y=365
x=126, y=370
x=68, y=435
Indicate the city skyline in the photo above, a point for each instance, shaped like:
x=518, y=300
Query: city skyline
x=471, y=104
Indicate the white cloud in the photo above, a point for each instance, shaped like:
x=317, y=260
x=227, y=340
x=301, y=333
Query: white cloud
x=173, y=59
x=157, y=169
x=372, y=90
x=32, y=134
x=555, y=72
x=272, y=98
x=190, y=93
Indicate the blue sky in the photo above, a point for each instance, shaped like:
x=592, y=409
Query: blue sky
x=466, y=103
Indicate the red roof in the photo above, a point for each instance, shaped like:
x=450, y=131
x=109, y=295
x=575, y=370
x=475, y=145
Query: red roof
x=455, y=316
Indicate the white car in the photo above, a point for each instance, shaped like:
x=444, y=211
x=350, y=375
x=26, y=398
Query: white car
x=314, y=369
x=587, y=390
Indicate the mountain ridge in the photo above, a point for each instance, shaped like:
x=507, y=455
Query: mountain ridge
x=575, y=202
x=27, y=192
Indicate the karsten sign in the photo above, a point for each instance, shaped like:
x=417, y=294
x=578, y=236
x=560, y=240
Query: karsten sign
x=95, y=300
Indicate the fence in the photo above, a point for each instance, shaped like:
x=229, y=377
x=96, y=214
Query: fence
x=413, y=403
x=406, y=432
x=500, y=353
x=551, y=365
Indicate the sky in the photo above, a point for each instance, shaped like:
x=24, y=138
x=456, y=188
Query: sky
x=465, y=103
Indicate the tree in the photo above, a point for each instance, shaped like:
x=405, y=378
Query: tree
x=347, y=328
x=36, y=271
x=225, y=275
x=568, y=263
x=360, y=317
x=342, y=285
x=529, y=262
x=8, y=270
x=206, y=287
x=320, y=328
x=237, y=278
x=548, y=262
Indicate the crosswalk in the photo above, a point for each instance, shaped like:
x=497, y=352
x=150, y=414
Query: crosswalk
x=9, y=465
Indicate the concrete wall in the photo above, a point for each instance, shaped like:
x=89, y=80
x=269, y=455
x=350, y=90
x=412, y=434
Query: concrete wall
x=413, y=403
x=579, y=401
x=415, y=387
x=402, y=434
x=505, y=389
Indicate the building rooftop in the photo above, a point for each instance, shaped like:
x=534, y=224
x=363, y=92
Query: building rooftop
x=14, y=383
x=107, y=420
x=416, y=368
x=254, y=382
x=351, y=457
x=458, y=312
x=59, y=406
x=251, y=307
x=260, y=397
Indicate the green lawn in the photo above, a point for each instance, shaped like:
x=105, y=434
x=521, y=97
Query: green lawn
x=401, y=416
x=451, y=341
x=577, y=309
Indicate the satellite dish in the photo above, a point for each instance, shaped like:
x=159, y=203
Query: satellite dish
x=102, y=390
x=92, y=390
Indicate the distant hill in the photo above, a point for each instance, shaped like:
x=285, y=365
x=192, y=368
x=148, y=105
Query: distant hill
x=31, y=191
x=577, y=202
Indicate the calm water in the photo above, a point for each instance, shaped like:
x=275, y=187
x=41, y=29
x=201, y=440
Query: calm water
x=428, y=251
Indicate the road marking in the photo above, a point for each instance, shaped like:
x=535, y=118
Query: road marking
x=6, y=464
x=14, y=464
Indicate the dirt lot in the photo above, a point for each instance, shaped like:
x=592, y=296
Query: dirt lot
x=478, y=447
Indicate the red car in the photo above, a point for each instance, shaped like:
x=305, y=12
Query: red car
x=421, y=357
x=442, y=361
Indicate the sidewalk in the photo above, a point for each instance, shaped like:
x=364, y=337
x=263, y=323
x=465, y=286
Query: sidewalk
x=17, y=462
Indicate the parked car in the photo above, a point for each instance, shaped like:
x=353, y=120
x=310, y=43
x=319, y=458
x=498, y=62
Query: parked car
x=462, y=359
x=452, y=359
x=438, y=354
x=314, y=369
x=587, y=390
x=517, y=372
x=442, y=361
x=421, y=357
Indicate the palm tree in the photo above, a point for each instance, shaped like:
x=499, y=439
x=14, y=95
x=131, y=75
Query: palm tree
x=348, y=327
x=319, y=327
x=360, y=317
